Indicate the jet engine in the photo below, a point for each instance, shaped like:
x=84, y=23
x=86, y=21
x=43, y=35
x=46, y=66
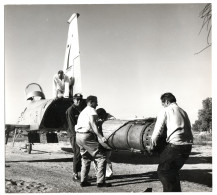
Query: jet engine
x=134, y=135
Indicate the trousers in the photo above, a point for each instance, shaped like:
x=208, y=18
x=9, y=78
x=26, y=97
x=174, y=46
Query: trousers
x=109, y=169
x=172, y=158
x=91, y=150
x=77, y=155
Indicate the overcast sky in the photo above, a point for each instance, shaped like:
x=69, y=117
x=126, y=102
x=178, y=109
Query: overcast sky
x=130, y=55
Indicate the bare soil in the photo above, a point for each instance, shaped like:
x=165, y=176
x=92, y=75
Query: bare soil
x=49, y=169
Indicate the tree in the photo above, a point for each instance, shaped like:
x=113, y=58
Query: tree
x=204, y=122
x=206, y=16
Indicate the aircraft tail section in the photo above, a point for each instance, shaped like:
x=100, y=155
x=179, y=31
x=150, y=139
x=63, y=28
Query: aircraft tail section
x=72, y=56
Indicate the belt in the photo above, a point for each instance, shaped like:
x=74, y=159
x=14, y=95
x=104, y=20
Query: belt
x=176, y=146
x=83, y=132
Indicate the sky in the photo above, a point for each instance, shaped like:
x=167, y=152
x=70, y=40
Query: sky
x=130, y=55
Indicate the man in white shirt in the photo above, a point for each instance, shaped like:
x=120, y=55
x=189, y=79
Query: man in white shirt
x=60, y=85
x=87, y=135
x=179, y=142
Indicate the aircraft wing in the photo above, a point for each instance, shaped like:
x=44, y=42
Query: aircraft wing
x=12, y=127
x=25, y=130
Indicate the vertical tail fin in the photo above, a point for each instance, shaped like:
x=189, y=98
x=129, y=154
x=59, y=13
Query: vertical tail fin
x=72, y=56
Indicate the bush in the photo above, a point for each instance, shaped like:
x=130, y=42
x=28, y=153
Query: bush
x=203, y=138
x=204, y=122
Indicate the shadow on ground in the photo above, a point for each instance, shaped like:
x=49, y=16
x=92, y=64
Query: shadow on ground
x=128, y=157
x=44, y=160
x=202, y=177
x=67, y=150
x=121, y=180
x=136, y=158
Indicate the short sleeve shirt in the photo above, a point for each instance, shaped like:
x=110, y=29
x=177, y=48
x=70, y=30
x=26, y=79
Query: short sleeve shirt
x=83, y=124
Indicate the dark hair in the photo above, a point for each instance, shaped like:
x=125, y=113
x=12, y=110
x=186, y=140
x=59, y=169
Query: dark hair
x=101, y=113
x=60, y=72
x=91, y=99
x=169, y=97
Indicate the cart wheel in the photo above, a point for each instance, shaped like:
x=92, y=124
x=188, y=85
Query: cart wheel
x=29, y=148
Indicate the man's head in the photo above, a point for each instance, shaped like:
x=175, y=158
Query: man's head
x=77, y=99
x=102, y=113
x=60, y=74
x=167, y=99
x=92, y=101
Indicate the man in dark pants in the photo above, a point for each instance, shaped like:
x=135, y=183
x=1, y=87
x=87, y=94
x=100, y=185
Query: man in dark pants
x=72, y=114
x=179, y=142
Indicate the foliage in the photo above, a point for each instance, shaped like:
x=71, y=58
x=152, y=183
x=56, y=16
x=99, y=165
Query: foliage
x=206, y=16
x=202, y=138
x=204, y=122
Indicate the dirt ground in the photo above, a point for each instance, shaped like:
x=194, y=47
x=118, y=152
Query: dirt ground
x=49, y=169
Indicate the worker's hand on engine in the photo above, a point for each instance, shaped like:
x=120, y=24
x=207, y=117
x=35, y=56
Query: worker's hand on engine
x=103, y=139
x=153, y=142
x=152, y=145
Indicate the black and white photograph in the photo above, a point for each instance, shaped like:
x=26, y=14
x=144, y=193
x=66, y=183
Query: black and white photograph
x=107, y=97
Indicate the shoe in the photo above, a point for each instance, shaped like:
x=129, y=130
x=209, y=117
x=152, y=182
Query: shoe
x=85, y=184
x=109, y=175
x=101, y=185
x=148, y=190
x=76, y=178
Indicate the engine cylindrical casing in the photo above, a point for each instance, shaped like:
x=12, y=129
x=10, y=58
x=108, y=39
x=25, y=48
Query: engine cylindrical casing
x=128, y=135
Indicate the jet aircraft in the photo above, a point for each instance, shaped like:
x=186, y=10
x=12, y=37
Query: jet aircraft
x=48, y=115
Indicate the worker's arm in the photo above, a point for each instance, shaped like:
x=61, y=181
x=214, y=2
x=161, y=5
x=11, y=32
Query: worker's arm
x=159, y=127
x=66, y=83
x=71, y=119
x=93, y=119
x=54, y=87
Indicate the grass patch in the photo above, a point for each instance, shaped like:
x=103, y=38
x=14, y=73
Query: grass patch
x=203, y=139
